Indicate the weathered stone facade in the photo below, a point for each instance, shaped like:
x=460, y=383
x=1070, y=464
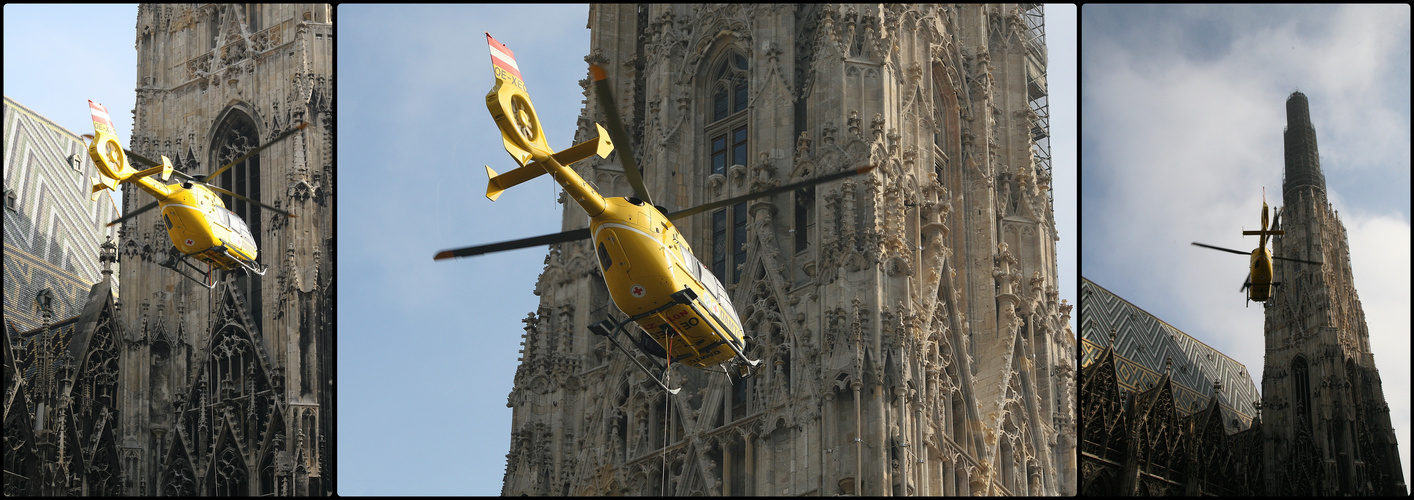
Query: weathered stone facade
x=228, y=391
x=908, y=321
x=1328, y=429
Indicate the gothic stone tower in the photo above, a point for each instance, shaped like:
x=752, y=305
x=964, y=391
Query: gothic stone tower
x=907, y=320
x=1325, y=418
x=228, y=391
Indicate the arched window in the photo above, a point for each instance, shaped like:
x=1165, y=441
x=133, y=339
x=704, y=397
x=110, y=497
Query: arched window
x=727, y=137
x=237, y=135
x=1301, y=391
x=959, y=421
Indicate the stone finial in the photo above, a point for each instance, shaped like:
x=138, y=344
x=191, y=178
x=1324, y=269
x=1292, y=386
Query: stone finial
x=107, y=255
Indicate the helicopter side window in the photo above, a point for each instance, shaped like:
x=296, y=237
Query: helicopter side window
x=168, y=220
x=604, y=260
x=690, y=262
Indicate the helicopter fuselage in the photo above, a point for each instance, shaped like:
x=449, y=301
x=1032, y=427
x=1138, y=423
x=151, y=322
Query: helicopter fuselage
x=197, y=221
x=200, y=226
x=1261, y=287
x=644, y=260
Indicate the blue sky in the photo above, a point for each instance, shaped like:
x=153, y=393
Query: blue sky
x=427, y=351
x=1184, y=110
x=56, y=71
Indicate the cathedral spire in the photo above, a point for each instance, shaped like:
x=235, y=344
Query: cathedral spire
x=1303, y=161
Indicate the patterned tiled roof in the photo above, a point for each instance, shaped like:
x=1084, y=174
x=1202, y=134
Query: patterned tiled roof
x=1142, y=345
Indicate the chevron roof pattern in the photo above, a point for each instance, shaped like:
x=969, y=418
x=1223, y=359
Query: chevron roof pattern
x=1142, y=345
x=53, y=230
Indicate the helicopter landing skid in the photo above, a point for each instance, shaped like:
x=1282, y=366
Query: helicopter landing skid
x=251, y=269
x=608, y=329
x=254, y=269
x=172, y=262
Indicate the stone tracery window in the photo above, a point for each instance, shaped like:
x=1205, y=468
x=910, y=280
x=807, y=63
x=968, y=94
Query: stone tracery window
x=1302, y=392
x=728, y=137
x=237, y=135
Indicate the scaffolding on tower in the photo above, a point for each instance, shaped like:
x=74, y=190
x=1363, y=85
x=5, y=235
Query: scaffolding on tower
x=1036, y=90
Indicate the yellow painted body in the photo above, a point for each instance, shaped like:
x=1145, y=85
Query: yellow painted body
x=1261, y=287
x=1261, y=264
x=197, y=222
x=644, y=261
x=200, y=226
x=643, y=257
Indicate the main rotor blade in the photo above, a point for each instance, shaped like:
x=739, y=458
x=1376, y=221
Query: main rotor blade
x=248, y=200
x=788, y=187
x=1239, y=252
x=1246, y=282
x=572, y=235
x=252, y=152
x=617, y=133
x=134, y=213
x=1298, y=260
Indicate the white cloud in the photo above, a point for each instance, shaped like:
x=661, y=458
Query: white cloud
x=1184, y=110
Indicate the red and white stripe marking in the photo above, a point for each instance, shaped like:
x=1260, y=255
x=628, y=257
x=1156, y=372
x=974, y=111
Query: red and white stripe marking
x=502, y=57
x=100, y=117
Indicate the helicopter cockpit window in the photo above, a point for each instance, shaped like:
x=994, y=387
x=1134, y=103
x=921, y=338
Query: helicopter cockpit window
x=235, y=223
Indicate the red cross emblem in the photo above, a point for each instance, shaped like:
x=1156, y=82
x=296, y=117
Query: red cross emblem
x=637, y=291
x=189, y=242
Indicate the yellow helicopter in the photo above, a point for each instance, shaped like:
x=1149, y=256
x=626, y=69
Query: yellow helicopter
x=683, y=311
x=1258, y=284
x=197, y=221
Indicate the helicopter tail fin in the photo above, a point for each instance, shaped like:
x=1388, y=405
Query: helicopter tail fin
x=502, y=182
x=106, y=151
x=498, y=183
x=99, y=184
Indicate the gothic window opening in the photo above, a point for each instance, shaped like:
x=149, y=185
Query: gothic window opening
x=738, y=240
x=726, y=121
x=959, y=421
x=228, y=477
x=740, y=390
x=738, y=467
x=1302, y=395
x=719, y=244
x=1007, y=466
x=804, y=218
x=235, y=136
x=733, y=240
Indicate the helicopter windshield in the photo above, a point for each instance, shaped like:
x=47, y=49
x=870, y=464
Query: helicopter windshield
x=234, y=222
x=708, y=280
